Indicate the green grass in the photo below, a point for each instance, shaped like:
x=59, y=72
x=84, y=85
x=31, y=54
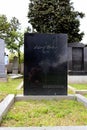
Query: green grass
x=85, y=95
x=79, y=86
x=46, y=113
x=9, y=87
x=41, y=113
x=70, y=91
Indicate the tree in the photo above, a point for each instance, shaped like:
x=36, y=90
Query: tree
x=55, y=16
x=15, y=37
x=10, y=32
x=4, y=26
x=15, y=43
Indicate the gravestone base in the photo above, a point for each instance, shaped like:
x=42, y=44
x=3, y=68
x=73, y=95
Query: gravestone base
x=46, y=91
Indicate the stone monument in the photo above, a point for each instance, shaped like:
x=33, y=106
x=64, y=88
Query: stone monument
x=15, y=65
x=45, y=64
x=2, y=61
x=77, y=59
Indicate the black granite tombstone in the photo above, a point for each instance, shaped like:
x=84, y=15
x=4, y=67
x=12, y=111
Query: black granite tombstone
x=45, y=64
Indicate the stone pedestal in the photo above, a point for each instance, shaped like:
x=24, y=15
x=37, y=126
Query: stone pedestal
x=2, y=63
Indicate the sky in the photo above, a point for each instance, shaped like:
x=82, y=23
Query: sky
x=19, y=9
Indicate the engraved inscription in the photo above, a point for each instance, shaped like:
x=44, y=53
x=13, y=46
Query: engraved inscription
x=45, y=48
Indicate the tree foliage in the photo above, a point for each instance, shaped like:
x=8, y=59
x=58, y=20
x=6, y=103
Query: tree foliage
x=4, y=26
x=55, y=16
x=10, y=32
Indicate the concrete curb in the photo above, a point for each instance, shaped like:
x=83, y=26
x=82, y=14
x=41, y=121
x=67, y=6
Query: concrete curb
x=82, y=99
x=9, y=100
x=46, y=128
x=77, y=91
x=81, y=92
x=20, y=86
x=15, y=76
x=6, y=104
x=71, y=88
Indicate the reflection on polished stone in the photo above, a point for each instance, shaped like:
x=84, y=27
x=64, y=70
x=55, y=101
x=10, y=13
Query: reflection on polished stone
x=45, y=64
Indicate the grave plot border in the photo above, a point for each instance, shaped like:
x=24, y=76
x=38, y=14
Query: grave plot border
x=11, y=98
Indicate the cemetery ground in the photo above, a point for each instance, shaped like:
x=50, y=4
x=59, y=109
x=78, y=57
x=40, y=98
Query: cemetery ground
x=10, y=87
x=46, y=113
x=79, y=88
x=41, y=112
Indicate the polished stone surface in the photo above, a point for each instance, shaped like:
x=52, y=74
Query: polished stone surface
x=45, y=64
x=77, y=59
x=6, y=104
x=85, y=59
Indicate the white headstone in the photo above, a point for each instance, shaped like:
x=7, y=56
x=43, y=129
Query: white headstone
x=2, y=62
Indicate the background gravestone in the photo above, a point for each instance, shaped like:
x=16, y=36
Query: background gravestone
x=85, y=59
x=2, y=61
x=15, y=65
x=77, y=59
x=45, y=64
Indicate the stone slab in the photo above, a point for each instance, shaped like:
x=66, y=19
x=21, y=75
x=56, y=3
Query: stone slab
x=15, y=65
x=69, y=58
x=71, y=88
x=85, y=59
x=6, y=104
x=2, y=61
x=76, y=44
x=15, y=76
x=46, y=128
x=20, y=86
x=2, y=70
x=82, y=92
x=22, y=97
x=82, y=99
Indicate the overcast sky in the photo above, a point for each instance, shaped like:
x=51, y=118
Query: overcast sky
x=19, y=9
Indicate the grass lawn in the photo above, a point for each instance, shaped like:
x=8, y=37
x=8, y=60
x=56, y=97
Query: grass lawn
x=79, y=86
x=9, y=87
x=41, y=113
x=85, y=95
x=70, y=91
x=46, y=113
